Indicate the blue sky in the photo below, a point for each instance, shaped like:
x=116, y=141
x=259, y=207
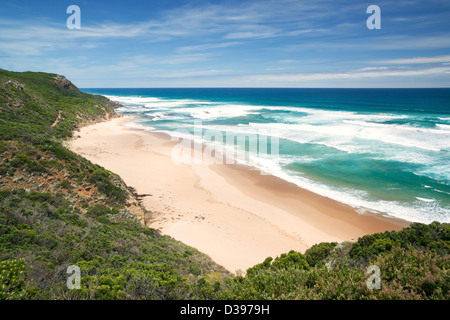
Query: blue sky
x=165, y=43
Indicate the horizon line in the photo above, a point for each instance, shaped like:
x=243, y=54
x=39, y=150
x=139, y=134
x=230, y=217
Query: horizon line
x=352, y=88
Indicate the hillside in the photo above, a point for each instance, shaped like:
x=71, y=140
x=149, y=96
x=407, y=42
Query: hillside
x=58, y=209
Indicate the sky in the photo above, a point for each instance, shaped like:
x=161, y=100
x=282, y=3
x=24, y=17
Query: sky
x=236, y=43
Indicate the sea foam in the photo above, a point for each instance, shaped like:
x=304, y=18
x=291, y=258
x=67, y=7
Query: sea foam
x=412, y=144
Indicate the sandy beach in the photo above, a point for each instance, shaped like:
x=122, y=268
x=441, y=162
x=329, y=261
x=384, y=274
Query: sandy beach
x=234, y=214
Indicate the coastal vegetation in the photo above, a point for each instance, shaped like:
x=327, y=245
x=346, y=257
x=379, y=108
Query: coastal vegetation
x=414, y=264
x=58, y=209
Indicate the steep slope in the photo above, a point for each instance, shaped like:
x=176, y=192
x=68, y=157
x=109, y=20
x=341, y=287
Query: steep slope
x=57, y=209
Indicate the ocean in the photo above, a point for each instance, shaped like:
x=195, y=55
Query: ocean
x=377, y=150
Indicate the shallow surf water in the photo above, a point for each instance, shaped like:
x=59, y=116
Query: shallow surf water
x=383, y=150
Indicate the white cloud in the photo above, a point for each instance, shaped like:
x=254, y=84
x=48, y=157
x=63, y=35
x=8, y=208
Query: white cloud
x=303, y=31
x=301, y=77
x=209, y=46
x=183, y=58
x=418, y=60
x=381, y=43
x=249, y=34
x=372, y=68
x=288, y=61
x=295, y=30
x=187, y=74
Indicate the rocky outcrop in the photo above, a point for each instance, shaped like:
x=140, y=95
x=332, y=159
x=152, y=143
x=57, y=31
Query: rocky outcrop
x=15, y=84
x=114, y=104
x=61, y=81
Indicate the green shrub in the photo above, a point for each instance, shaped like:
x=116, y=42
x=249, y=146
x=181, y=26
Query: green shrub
x=65, y=184
x=12, y=279
x=293, y=259
x=62, y=153
x=98, y=210
x=410, y=274
x=317, y=254
x=19, y=160
x=434, y=236
x=102, y=179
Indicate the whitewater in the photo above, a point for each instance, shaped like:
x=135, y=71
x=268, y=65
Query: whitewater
x=377, y=150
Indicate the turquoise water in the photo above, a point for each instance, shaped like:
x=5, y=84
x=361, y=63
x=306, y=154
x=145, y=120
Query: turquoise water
x=384, y=150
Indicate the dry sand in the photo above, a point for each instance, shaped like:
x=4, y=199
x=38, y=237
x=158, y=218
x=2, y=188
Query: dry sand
x=234, y=214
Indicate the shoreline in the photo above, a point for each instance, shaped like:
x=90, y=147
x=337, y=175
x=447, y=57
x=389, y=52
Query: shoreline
x=233, y=213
